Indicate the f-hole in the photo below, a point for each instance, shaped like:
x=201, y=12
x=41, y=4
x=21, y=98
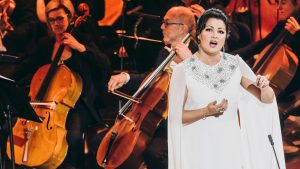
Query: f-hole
x=48, y=121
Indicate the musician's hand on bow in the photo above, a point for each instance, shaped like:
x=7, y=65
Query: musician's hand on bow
x=292, y=25
x=116, y=81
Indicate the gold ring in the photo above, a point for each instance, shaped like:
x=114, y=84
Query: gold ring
x=221, y=110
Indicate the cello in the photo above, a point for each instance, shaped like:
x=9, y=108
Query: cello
x=277, y=62
x=54, y=90
x=124, y=143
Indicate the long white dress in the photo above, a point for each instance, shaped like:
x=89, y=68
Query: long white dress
x=223, y=142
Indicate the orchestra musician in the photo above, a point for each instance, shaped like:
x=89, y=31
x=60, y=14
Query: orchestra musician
x=253, y=13
x=177, y=22
x=96, y=8
x=82, y=57
x=288, y=9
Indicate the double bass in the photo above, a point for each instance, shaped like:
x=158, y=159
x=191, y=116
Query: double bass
x=124, y=144
x=54, y=90
x=277, y=62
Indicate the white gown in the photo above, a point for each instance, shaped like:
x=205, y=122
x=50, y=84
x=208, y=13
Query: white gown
x=220, y=142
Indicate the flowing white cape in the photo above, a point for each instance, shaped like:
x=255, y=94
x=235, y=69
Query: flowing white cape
x=258, y=120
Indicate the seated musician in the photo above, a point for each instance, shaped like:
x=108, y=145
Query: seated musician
x=82, y=57
x=88, y=12
x=287, y=9
x=177, y=22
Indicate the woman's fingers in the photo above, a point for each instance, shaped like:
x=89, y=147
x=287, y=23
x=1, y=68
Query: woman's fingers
x=262, y=81
x=222, y=106
x=217, y=109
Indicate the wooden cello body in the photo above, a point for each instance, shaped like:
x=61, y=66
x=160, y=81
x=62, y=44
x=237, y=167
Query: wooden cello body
x=134, y=135
x=54, y=90
x=277, y=62
x=280, y=68
x=44, y=145
x=125, y=142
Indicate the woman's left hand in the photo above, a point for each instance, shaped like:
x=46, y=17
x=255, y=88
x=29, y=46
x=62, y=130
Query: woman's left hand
x=262, y=82
x=69, y=40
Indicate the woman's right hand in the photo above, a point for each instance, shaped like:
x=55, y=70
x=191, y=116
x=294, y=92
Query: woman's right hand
x=214, y=109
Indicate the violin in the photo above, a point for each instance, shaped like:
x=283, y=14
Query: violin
x=124, y=143
x=54, y=90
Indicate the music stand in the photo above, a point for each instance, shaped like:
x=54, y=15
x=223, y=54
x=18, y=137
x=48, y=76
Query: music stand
x=14, y=103
x=9, y=58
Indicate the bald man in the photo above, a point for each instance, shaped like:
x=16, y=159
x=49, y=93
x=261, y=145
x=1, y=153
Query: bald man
x=177, y=22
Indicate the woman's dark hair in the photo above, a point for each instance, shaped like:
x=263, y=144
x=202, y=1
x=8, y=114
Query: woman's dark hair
x=212, y=13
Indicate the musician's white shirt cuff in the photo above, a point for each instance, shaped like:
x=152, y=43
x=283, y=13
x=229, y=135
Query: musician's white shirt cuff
x=127, y=77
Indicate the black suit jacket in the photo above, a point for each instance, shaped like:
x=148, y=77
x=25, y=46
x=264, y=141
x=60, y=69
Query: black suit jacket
x=137, y=78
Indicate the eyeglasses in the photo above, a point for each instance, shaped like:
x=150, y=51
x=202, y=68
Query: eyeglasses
x=166, y=23
x=58, y=19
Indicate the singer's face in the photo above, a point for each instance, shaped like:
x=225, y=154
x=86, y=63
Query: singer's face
x=212, y=37
x=58, y=21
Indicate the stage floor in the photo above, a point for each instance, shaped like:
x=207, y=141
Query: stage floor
x=291, y=132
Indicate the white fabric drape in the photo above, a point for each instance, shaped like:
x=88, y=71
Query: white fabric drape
x=257, y=121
